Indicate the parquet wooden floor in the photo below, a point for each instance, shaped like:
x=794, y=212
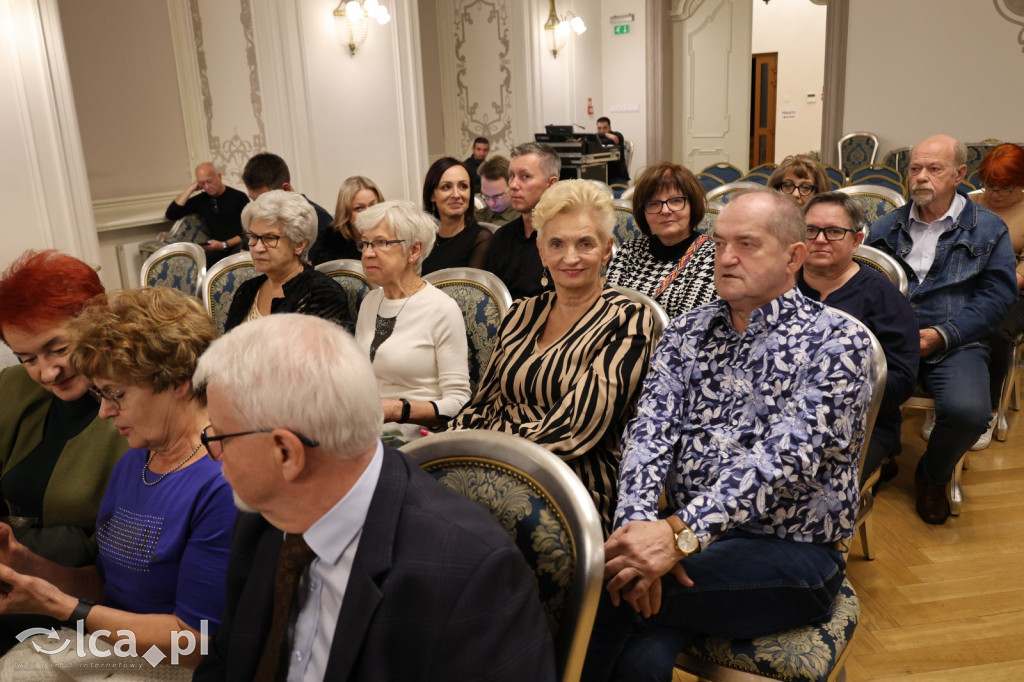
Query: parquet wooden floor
x=944, y=602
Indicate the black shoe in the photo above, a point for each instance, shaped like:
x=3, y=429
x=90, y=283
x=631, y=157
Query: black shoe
x=932, y=503
x=888, y=471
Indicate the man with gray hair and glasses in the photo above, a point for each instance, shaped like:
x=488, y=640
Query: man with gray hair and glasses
x=513, y=256
x=960, y=265
x=393, y=576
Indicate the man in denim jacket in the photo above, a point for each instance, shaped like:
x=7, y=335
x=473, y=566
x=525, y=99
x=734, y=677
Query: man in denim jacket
x=960, y=263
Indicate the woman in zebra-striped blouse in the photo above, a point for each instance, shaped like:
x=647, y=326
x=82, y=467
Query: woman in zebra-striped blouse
x=567, y=365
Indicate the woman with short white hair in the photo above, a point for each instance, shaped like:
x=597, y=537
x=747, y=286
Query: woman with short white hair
x=413, y=333
x=280, y=227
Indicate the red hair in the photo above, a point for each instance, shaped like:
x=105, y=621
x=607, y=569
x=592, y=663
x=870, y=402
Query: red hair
x=43, y=288
x=1003, y=166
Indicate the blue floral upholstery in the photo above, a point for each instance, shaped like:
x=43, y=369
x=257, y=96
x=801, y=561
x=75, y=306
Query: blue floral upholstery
x=533, y=520
x=835, y=176
x=804, y=654
x=189, y=229
x=856, y=150
x=625, y=228
x=726, y=192
x=708, y=181
x=874, y=200
x=178, y=270
x=726, y=172
x=875, y=170
x=707, y=224
x=899, y=159
x=482, y=315
x=349, y=274
x=221, y=285
x=880, y=181
x=756, y=177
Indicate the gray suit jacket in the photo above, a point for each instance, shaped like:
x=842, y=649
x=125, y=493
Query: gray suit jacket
x=438, y=591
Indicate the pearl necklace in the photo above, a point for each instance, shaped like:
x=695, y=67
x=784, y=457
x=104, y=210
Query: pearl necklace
x=177, y=466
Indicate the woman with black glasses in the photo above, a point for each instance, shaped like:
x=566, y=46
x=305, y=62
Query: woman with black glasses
x=672, y=263
x=799, y=177
x=164, y=524
x=280, y=227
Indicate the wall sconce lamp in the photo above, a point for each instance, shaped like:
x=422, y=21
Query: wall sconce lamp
x=352, y=20
x=557, y=29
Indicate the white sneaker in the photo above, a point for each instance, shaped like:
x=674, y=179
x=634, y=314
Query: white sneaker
x=986, y=438
x=929, y=424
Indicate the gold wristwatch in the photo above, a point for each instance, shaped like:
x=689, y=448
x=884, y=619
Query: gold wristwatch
x=686, y=539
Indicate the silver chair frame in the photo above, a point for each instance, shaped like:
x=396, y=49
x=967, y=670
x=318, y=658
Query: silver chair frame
x=556, y=478
x=190, y=249
x=487, y=280
x=240, y=259
x=661, y=318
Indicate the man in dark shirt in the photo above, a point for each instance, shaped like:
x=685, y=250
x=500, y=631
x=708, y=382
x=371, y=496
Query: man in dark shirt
x=618, y=171
x=481, y=147
x=513, y=256
x=267, y=171
x=835, y=228
x=218, y=205
x=494, y=189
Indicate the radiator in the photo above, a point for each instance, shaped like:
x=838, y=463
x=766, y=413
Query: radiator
x=129, y=263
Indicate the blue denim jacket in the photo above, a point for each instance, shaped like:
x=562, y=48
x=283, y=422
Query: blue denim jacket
x=970, y=287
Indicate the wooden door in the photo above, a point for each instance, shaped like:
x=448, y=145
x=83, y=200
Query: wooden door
x=764, y=86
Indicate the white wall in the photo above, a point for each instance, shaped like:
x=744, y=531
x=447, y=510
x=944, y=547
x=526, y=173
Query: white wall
x=795, y=29
x=915, y=68
x=624, y=76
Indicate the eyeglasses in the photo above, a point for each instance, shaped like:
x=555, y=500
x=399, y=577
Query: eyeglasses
x=269, y=240
x=494, y=197
x=674, y=204
x=832, y=234
x=378, y=244
x=215, y=448
x=804, y=188
x=1001, y=191
x=102, y=394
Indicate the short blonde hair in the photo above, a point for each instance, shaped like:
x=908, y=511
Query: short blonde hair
x=569, y=196
x=143, y=337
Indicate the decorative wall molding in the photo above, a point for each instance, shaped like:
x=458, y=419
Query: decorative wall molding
x=144, y=209
x=682, y=10
x=230, y=152
x=1012, y=11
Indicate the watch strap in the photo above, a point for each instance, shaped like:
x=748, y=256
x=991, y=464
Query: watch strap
x=80, y=612
x=677, y=523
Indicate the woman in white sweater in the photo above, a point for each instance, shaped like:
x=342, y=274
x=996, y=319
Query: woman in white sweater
x=414, y=334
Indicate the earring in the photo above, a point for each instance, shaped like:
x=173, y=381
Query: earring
x=544, y=278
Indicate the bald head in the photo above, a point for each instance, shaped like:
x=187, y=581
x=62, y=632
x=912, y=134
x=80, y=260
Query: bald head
x=937, y=165
x=209, y=179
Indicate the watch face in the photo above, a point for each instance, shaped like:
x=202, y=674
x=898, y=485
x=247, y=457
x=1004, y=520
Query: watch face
x=687, y=541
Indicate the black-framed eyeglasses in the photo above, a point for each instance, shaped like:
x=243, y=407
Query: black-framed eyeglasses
x=269, y=240
x=1001, y=191
x=102, y=394
x=494, y=197
x=804, y=188
x=674, y=204
x=215, y=448
x=377, y=244
x=832, y=234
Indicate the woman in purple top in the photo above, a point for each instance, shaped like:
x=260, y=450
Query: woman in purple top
x=164, y=525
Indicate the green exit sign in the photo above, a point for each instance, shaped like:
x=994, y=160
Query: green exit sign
x=621, y=29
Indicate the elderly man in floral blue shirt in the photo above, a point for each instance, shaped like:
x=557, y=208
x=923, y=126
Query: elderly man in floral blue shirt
x=752, y=419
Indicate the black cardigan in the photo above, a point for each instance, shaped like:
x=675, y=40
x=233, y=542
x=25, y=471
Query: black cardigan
x=310, y=292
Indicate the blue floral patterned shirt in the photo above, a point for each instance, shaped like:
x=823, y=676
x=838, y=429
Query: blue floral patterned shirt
x=760, y=431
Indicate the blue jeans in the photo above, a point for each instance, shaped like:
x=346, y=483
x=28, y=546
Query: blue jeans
x=745, y=585
x=959, y=384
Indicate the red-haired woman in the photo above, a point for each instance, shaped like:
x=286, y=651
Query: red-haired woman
x=56, y=455
x=1002, y=171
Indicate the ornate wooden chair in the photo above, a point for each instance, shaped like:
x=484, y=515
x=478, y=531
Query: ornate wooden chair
x=483, y=300
x=874, y=200
x=856, y=150
x=724, y=193
x=349, y=274
x=625, y=228
x=547, y=512
x=181, y=266
x=221, y=282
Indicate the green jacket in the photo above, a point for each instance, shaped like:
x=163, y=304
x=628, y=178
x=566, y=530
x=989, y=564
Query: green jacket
x=79, y=478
